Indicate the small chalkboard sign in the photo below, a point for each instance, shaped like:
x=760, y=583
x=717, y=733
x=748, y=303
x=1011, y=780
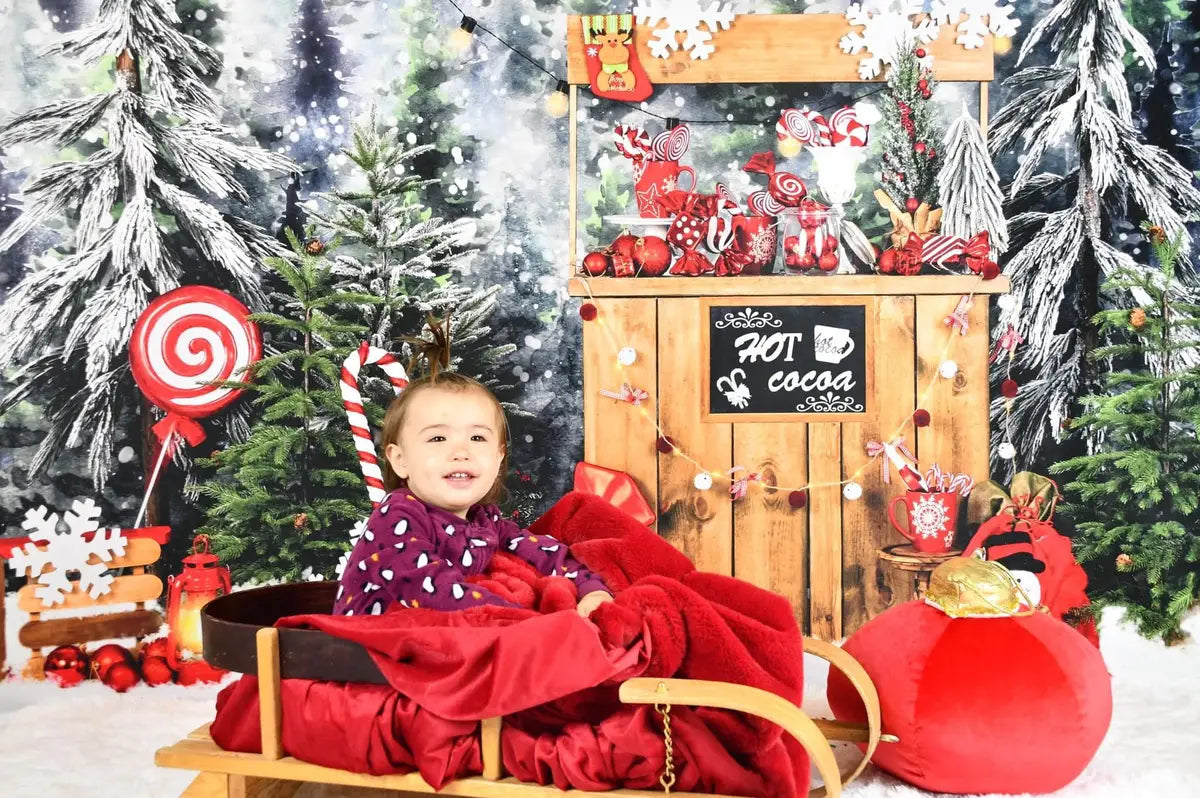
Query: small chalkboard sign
x=776, y=359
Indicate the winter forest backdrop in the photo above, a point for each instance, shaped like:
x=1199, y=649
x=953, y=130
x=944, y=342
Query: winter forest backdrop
x=292, y=78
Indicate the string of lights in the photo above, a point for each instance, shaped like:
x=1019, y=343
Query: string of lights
x=557, y=101
x=797, y=495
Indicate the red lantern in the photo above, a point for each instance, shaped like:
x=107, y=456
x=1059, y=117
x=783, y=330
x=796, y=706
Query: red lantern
x=203, y=579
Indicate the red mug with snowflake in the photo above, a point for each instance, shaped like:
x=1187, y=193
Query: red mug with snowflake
x=932, y=519
x=657, y=179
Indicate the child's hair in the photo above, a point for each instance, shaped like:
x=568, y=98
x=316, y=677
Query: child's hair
x=393, y=422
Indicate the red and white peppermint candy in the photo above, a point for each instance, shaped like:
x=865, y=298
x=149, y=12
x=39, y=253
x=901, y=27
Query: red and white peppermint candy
x=846, y=129
x=794, y=125
x=761, y=203
x=727, y=198
x=671, y=145
x=188, y=339
x=719, y=234
x=632, y=142
x=368, y=459
x=823, y=135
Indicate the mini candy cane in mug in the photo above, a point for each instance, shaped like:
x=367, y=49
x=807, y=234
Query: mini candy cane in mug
x=946, y=482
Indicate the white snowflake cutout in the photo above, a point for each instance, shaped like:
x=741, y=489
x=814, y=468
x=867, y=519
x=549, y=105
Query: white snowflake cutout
x=692, y=18
x=50, y=557
x=887, y=28
x=973, y=29
x=355, y=533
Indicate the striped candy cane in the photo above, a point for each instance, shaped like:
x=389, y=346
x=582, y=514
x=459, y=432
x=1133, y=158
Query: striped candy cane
x=368, y=459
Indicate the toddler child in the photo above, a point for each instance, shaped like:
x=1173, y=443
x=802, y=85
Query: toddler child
x=446, y=448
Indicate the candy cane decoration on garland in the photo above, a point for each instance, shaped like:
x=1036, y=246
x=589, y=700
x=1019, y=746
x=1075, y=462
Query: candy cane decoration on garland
x=368, y=458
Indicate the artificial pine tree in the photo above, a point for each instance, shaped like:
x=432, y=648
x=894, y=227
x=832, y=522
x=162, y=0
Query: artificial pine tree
x=1062, y=224
x=972, y=201
x=1135, y=498
x=149, y=211
x=394, y=249
x=281, y=502
x=908, y=132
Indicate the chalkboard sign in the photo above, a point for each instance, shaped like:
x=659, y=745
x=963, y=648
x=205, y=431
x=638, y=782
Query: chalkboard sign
x=808, y=359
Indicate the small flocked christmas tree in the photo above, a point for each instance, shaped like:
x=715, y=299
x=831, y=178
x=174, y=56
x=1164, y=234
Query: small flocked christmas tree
x=396, y=250
x=281, y=503
x=908, y=132
x=1135, y=498
x=972, y=201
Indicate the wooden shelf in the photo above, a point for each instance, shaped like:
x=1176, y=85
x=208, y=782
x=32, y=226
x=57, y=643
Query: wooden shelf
x=787, y=285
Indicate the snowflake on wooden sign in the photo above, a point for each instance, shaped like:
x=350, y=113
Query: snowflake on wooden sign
x=690, y=17
x=982, y=16
x=888, y=27
x=51, y=556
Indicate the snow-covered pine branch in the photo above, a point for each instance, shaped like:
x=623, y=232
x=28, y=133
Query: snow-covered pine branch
x=1060, y=251
x=165, y=154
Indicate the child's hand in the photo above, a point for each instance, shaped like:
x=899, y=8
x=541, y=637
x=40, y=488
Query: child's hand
x=589, y=603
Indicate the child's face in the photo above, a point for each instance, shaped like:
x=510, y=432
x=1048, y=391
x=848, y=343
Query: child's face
x=449, y=450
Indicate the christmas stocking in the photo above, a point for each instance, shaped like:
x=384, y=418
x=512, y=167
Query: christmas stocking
x=614, y=70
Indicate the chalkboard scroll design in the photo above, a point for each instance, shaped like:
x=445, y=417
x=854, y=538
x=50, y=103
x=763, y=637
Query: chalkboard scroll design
x=749, y=319
x=829, y=403
x=737, y=393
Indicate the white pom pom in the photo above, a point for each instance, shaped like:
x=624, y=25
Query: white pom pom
x=852, y=491
x=627, y=356
x=702, y=481
x=1006, y=451
x=1007, y=302
x=948, y=369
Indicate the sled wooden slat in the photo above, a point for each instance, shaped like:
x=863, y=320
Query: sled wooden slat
x=137, y=623
x=777, y=48
x=789, y=285
x=125, y=590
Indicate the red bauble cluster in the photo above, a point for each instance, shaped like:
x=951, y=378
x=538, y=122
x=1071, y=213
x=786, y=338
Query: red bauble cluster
x=66, y=665
x=629, y=256
x=119, y=668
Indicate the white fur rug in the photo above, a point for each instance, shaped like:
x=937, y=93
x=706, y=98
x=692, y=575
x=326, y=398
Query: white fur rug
x=90, y=741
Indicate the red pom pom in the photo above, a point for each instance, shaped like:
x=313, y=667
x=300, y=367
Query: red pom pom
x=920, y=52
x=887, y=261
x=652, y=255
x=588, y=312
x=595, y=263
x=665, y=445
x=991, y=270
x=1009, y=388
x=121, y=677
x=156, y=671
x=920, y=417
x=912, y=203
x=797, y=499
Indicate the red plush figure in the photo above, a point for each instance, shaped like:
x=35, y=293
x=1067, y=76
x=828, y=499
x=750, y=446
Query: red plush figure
x=614, y=70
x=1008, y=702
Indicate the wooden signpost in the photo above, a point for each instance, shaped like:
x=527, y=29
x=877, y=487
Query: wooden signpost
x=853, y=356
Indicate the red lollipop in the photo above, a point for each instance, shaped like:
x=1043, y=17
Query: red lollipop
x=183, y=342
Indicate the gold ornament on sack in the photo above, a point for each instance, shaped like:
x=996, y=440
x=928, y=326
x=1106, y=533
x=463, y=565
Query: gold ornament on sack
x=969, y=587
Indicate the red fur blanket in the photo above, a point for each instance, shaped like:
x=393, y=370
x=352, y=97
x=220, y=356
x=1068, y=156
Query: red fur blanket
x=554, y=676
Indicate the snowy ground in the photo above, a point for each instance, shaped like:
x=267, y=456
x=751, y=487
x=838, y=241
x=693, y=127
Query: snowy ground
x=90, y=741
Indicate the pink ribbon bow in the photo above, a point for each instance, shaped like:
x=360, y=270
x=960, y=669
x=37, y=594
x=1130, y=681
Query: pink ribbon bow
x=739, y=485
x=634, y=396
x=959, y=318
x=876, y=448
x=1008, y=342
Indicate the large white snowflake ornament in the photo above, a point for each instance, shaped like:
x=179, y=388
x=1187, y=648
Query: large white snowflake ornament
x=693, y=18
x=974, y=28
x=888, y=27
x=51, y=556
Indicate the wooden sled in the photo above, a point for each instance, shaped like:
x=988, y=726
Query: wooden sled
x=230, y=621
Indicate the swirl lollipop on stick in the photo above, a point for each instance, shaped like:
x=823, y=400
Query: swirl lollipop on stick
x=183, y=344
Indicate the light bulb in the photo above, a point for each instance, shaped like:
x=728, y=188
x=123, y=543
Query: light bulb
x=1001, y=44
x=790, y=147
x=558, y=102
x=462, y=36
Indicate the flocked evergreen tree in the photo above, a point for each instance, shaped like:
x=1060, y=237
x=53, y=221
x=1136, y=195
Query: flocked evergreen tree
x=281, y=502
x=150, y=212
x=1135, y=498
x=908, y=132
x=972, y=201
x=396, y=250
x=1061, y=224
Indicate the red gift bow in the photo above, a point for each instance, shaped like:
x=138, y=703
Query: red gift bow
x=974, y=252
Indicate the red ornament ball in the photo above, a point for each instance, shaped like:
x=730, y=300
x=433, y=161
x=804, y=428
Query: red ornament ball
x=932, y=153
x=887, y=261
x=588, y=312
x=922, y=84
x=831, y=243
x=664, y=445
x=919, y=147
x=66, y=665
x=652, y=255
x=121, y=677
x=1009, y=388
x=198, y=672
x=899, y=175
x=105, y=657
x=798, y=499
x=624, y=244
x=595, y=263
x=920, y=52
x=828, y=261
x=911, y=204
x=156, y=671
x=807, y=261
x=920, y=417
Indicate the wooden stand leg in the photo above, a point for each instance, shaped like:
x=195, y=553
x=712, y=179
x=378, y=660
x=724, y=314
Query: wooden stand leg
x=254, y=787
x=34, y=668
x=3, y=648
